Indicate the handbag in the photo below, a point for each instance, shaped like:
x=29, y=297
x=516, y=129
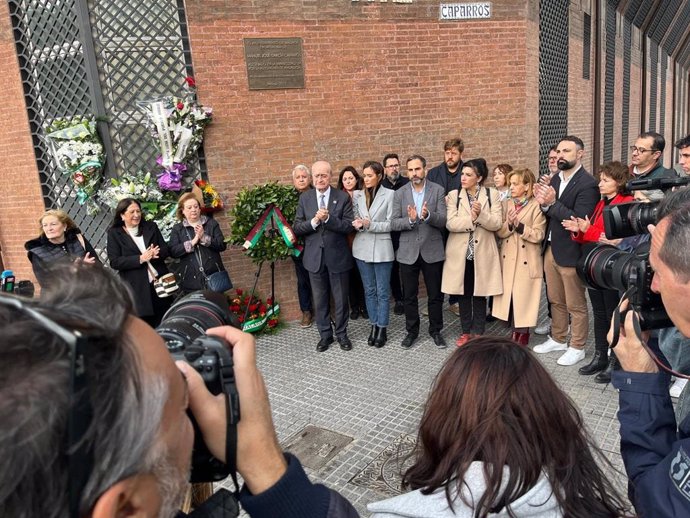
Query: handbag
x=165, y=285
x=218, y=281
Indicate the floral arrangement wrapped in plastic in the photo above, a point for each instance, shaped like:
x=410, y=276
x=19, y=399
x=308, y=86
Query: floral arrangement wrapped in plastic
x=78, y=151
x=156, y=205
x=177, y=127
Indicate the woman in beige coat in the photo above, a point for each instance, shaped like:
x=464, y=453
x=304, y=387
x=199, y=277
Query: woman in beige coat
x=472, y=268
x=521, y=260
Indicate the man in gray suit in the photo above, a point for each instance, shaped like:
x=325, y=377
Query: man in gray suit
x=419, y=213
x=324, y=218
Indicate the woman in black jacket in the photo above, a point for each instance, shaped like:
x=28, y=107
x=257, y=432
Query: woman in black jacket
x=60, y=241
x=196, y=237
x=137, y=250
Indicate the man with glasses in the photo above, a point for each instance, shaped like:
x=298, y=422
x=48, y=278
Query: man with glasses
x=394, y=181
x=646, y=163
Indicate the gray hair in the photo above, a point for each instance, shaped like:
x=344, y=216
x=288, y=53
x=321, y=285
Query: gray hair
x=674, y=249
x=300, y=167
x=35, y=395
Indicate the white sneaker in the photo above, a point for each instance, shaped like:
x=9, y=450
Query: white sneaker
x=677, y=387
x=550, y=345
x=571, y=356
x=543, y=329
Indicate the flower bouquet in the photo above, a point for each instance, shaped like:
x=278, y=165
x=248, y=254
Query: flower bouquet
x=156, y=205
x=177, y=127
x=208, y=197
x=254, y=314
x=76, y=147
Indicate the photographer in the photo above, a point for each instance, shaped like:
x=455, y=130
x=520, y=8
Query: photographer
x=93, y=414
x=652, y=447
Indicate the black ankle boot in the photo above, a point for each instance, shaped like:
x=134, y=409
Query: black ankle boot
x=372, y=335
x=605, y=375
x=598, y=364
x=381, y=337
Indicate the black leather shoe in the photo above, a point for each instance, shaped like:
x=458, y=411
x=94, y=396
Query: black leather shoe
x=354, y=314
x=324, y=343
x=598, y=364
x=399, y=308
x=408, y=341
x=345, y=343
x=439, y=341
x=381, y=337
x=364, y=313
x=372, y=335
x=605, y=375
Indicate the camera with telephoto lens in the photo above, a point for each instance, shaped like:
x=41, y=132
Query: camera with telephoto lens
x=183, y=329
x=607, y=267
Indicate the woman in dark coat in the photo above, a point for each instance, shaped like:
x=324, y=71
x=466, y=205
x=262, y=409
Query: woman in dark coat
x=193, y=237
x=60, y=241
x=133, y=245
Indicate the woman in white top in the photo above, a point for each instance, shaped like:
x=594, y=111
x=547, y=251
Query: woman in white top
x=373, y=248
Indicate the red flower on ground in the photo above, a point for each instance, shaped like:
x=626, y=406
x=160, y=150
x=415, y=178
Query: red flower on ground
x=241, y=319
x=253, y=307
x=239, y=292
x=190, y=81
x=180, y=105
x=235, y=308
x=262, y=308
x=273, y=322
x=269, y=301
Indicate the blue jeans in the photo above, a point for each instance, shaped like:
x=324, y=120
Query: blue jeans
x=376, y=278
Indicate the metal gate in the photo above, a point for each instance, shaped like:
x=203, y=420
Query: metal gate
x=553, y=75
x=98, y=57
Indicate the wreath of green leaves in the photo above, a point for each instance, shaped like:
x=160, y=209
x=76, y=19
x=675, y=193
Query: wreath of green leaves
x=250, y=204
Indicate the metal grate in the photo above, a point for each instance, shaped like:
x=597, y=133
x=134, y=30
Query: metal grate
x=638, y=11
x=662, y=85
x=677, y=30
x=609, y=80
x=98, y=57
x=653, y=83
x=625, y=105
x=586, y=45
x=662, y=19
x=553, y=75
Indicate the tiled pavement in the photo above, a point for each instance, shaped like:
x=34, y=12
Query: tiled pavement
x=375, y=396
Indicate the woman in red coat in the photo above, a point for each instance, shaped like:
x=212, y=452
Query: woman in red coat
x=590, y=231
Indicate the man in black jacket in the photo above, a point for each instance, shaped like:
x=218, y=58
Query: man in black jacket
x=572, y=193
x=647, y=153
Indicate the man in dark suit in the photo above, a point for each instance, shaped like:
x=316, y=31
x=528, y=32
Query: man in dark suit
x=419, y=213
x=394, y=181
x=572, y=193
x=324, y=218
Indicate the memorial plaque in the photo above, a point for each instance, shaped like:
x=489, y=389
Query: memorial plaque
x=274, y=63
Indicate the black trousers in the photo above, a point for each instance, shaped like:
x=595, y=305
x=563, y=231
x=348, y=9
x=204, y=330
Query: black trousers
x=396, y=281
x=356, y=295
x=432, y=278
x=472, y=309
x=325, y=284
x=604, y=303
x=303, y=285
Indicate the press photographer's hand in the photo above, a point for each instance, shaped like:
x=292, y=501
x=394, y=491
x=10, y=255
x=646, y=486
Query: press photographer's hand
x=260, y=460
x=631, y=354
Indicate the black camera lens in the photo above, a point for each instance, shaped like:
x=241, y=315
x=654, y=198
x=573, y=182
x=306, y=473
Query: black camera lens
x=192, y=315
x=606, y=268
x=629, y=219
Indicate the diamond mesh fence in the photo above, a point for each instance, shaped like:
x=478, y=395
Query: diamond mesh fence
x=98, y=58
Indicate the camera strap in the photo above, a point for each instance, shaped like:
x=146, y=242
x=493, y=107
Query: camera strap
x=619, y=319
x=232, y=409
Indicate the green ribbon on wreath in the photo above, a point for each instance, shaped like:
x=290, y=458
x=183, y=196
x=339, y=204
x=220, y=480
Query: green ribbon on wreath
x=273, y=214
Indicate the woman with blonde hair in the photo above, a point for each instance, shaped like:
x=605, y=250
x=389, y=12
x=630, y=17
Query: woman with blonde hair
x=59, y=240
x=197, y=241
x=521, y=260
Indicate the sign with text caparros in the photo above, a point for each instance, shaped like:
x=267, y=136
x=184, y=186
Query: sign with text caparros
x=469, y=11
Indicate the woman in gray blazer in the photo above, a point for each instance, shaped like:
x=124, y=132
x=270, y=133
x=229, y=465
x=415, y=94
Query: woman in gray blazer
x=373, y=247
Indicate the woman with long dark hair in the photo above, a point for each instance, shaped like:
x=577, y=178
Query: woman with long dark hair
x=373, y=248
x=498, y=437
x=137, y=250
x=350, y=181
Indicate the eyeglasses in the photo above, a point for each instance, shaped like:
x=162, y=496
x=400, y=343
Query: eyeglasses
x=79, y=452
x=641, y=150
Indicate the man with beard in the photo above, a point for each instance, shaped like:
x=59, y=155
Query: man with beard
x=93, y=413
x=646, y=163
x=393, y=181
x=419, y=213
x=573, y=193
x=447, y=174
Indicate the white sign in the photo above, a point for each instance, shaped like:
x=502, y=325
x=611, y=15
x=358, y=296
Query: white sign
x=469, y=11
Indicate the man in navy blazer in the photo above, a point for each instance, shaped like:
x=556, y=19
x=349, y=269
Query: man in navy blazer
x=573, y=192
x=324, y=218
